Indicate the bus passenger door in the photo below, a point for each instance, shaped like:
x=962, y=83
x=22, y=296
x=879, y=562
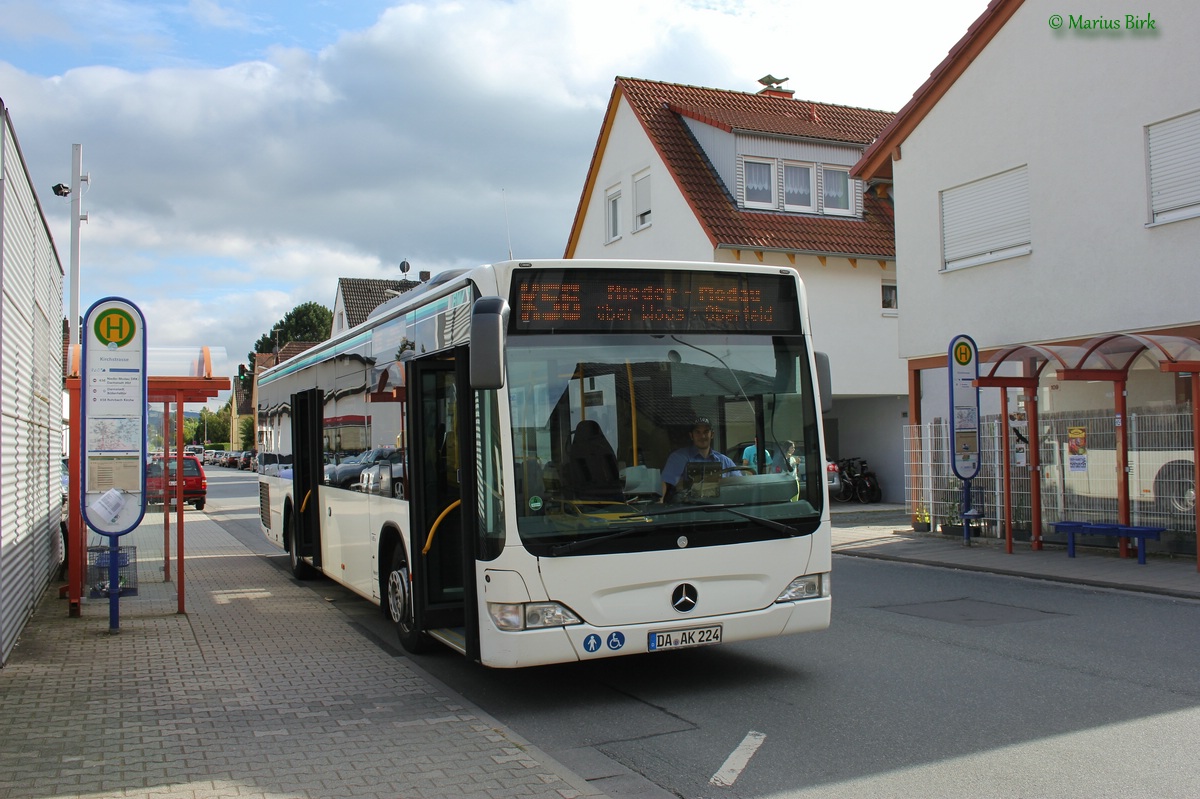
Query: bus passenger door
x=307, y=474
x=442, y=465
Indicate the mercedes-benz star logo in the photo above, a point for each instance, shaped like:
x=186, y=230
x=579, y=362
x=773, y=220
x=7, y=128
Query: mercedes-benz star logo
x=684, y=598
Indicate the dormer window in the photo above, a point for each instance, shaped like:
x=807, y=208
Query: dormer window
x=835, y=191
x=760, y=183
x=798, y=187
x=773, y=184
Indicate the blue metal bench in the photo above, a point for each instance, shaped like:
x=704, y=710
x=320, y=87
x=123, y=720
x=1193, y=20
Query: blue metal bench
x=1140, y=534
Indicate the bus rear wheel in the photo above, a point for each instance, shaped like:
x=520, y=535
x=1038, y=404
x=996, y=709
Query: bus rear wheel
x=400, y=605
x=1177, y=489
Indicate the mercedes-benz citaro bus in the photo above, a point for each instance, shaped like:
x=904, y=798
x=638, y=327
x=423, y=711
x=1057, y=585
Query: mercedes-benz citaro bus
x=519, y=512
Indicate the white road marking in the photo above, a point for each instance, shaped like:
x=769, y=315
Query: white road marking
x=735, y=764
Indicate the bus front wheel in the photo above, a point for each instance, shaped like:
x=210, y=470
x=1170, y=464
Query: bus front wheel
x=301, y=569
x=400, y=605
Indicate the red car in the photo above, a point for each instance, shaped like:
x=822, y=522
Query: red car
x=195, y=484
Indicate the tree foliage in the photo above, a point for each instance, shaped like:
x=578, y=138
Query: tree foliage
x=310, y=321
x=246, y=431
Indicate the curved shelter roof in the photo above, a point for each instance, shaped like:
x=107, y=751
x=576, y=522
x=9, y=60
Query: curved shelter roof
x=1114, y=354
x=1120, y=351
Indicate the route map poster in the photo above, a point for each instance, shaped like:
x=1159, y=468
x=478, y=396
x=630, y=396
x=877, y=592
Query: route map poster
x=113, y=411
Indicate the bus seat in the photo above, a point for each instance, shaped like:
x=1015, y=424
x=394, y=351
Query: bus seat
x=591, y=470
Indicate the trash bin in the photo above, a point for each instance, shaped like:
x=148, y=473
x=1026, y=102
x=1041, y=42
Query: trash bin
x=98, y=571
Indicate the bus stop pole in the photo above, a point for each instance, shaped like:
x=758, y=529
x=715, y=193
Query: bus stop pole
x=179, y=500
x=166, y=434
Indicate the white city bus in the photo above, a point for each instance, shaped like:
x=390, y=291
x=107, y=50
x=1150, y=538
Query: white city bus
x=517, y=417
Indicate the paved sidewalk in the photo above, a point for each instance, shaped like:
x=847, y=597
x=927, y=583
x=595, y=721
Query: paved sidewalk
x=261, y=690
x=885, y=532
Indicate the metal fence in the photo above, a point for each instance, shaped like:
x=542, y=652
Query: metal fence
x=1079, y=474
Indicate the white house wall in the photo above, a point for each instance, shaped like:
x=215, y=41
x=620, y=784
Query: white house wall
x=673, y=234
x=1073, y=107
x=844, y=302
x=848, y=322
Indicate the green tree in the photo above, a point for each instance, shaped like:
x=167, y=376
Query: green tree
x=246, y=431
x=217, y=424
x=310, y=321
x=193, y=431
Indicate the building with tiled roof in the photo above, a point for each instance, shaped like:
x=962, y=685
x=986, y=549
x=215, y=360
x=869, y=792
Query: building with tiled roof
x=1049, y=181
x=358, y=296
x=1038, y=210
x=690, y=173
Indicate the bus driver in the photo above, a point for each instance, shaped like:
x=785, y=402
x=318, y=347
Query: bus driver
x=700, y=451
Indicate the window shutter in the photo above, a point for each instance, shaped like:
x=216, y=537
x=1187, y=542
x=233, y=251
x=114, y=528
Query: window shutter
x=1174, y=148
x=641, y=201
x=986, y=220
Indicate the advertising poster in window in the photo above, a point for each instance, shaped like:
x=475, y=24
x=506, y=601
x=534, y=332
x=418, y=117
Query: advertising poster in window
x=1077, y=449
x=1019, y=428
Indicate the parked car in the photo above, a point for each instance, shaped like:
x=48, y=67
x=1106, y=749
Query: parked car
x=386, y=476
x=247, y=460
x=195, y=483
x=232, y=459
x=345, y=475
x=336, y=459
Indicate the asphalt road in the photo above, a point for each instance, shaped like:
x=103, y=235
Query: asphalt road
x=930, y=682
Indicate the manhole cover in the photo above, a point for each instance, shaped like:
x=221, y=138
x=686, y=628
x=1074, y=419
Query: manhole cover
x=972, y=612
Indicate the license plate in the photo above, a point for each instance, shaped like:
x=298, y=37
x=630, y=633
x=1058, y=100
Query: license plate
x=678, y=639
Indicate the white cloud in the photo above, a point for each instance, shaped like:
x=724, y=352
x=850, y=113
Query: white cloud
x=223, y=197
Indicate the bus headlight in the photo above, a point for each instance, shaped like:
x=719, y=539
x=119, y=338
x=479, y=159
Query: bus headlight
x=530, y=615
x=809, y=586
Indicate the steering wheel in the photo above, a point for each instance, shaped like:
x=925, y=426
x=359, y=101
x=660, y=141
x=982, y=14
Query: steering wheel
x=750, y=469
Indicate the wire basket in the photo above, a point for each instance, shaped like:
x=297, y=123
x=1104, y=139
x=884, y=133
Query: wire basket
x=99, y=559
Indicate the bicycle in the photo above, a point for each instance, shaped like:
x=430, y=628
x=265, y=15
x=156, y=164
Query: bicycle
x=848, y=469
x=858, y=482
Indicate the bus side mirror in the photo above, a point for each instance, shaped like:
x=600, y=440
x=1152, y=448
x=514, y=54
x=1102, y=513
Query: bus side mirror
x=489, y=320
x=824, y=382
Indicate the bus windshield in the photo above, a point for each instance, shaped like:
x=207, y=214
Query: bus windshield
x=596, y=418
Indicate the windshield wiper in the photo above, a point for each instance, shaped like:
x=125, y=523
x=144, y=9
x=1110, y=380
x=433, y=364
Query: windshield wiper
x=770, y=524
x=585, y=543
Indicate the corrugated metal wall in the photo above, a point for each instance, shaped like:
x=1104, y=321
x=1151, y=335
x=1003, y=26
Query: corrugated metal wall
x=30, y=396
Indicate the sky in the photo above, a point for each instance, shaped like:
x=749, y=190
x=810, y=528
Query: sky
x=243, y=155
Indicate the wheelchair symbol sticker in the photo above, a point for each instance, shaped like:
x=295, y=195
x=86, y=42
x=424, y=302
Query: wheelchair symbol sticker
x=616, y=641
x=592, y=643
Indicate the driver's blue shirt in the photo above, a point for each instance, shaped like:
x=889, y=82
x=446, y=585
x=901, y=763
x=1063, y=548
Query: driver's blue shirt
x=678, y=460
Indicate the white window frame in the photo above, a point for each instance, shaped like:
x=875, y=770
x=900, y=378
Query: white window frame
x=1173, y=168
x=612, y=215
x=771, y=166
x=641, y=201
x=850, y=192
x=812, y=186
x=885, y=284
x=986, y=220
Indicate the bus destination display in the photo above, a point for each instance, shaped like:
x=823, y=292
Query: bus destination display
x=589, y=300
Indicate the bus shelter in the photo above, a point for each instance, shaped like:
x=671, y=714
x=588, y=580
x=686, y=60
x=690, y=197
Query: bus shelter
x=1104, y=358
x=194, y=383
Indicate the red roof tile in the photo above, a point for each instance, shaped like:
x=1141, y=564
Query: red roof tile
x=660, y=108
